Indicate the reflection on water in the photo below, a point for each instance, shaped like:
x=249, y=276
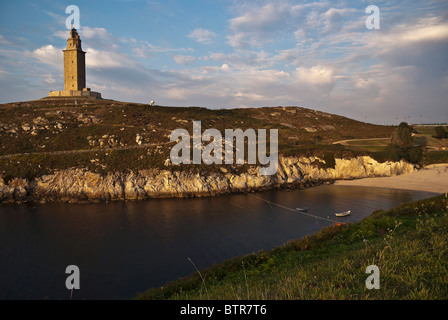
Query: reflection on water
x=125, y=248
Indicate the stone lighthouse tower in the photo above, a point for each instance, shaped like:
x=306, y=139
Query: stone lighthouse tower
x=74, y=63
x=75, y=70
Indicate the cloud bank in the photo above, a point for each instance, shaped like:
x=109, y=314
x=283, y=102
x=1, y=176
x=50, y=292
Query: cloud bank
x=314, y=54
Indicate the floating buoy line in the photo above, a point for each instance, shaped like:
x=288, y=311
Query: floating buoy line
x=294, y=210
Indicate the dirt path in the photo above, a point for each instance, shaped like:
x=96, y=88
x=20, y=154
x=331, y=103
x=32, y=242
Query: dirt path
x=344, y=142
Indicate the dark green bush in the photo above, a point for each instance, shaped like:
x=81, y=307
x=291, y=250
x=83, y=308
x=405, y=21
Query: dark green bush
x=413, y=155
x=394, y=153
x=440, y=133
x=391, y=153
x=402, y=136
x=329, y=160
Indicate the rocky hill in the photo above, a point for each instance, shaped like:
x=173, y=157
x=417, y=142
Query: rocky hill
x=81, y=149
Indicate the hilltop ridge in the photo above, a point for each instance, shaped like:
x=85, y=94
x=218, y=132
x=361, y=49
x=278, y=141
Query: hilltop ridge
x=50, y=125
x=101, y=150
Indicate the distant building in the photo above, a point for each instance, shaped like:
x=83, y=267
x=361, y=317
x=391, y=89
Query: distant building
x=75, y=70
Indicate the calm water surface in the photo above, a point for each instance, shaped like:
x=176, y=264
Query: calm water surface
x=124, y=248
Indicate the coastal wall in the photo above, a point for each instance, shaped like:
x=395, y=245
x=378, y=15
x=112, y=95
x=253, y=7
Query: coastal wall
x=78, y=186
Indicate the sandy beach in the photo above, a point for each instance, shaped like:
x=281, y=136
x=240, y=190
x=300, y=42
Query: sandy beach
x=433, y=178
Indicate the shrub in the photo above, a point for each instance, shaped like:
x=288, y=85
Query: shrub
x=440, y=133
x=413, y=155
x=329, y=160
x=402, y=136
x=391, y=153
x=394, y=153
x=435, y=157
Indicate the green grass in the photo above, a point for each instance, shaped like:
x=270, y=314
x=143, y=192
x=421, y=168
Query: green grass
x=427, y=130
x=370, y=146
x=368, y=143
x=409, y=244
x=425, y=134
x=435, y=157
x=369, y=149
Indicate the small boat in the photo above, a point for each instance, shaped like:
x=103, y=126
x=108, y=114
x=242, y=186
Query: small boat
x=343, y=214
x=302, y=209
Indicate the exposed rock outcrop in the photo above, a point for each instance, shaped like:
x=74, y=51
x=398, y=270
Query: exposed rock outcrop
x=77, y=185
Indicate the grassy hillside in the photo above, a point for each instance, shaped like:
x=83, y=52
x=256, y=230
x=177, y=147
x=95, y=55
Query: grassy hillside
x=36, y=137
x=425, y=135
x=409, y=244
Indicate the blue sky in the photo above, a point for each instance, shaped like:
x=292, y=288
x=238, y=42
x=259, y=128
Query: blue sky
x=228, y=53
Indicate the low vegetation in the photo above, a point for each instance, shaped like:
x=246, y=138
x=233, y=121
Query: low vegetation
x=409, y=244
x=440, y=133
x=435, y=157
x=433, y=137
x=39, y=137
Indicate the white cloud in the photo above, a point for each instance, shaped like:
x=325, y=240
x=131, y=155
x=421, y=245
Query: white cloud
x=334, y=18
x=184, y=60
x=405, y=35
x=242, y=59
x=261, y=24
x=249, y=96
x=144, y=49
x=49, y=55
x=202, y=35
x=104, y=59
x=178, y=93
x=225, y=67
x=316, y=75
x=95, y=33
x=100, y=37
x=259, y=18
x=62, y=34
x=48, y=78
x=317, y=54
x=4, y=41
x=257, y=25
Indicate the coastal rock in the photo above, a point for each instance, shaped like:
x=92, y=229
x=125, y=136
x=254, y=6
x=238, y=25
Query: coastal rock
x=78, y=185
x=15, y=191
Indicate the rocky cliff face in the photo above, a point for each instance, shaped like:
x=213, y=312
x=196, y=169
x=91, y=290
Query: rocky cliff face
x=76, y=185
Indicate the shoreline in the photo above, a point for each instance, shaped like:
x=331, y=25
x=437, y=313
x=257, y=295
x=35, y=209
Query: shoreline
x=82, y=186
x=333, y=248
x=287, y=187
x=432, y=178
